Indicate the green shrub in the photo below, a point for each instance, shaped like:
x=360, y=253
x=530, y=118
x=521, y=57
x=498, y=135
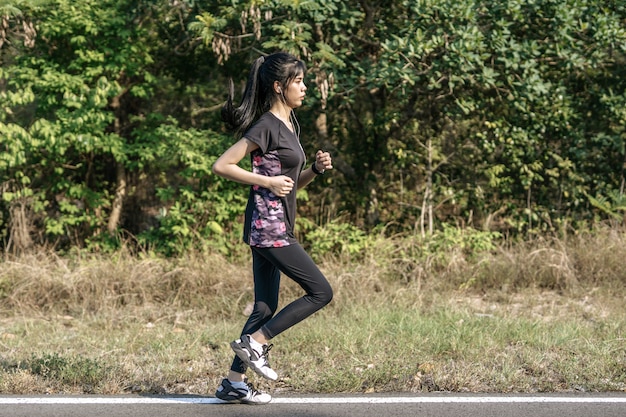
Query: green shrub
x=67, y=370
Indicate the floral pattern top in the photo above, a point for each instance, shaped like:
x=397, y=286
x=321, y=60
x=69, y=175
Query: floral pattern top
x=270, y=220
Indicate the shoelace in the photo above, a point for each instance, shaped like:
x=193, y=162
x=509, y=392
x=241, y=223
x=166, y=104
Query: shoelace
x=266, y=349
x=252, y=389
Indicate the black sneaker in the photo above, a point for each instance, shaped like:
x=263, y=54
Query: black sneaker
x=253, y=358
x=249, y=395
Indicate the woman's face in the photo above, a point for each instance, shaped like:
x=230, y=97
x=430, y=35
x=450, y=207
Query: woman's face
x=296, y=90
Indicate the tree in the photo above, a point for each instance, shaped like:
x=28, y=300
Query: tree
x=82, y=126
x=518, y=98
x=505, y=115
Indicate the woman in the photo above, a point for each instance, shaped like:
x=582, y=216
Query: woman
x=269, y=132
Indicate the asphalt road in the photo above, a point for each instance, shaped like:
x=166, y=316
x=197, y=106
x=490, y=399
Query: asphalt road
x=401, y=405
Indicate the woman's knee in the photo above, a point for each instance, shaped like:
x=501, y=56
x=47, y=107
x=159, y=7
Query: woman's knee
x=263, y=311
x=326, y=296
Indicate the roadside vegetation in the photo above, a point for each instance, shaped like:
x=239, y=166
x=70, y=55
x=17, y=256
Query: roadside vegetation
x=540, y=316
x=472, y=225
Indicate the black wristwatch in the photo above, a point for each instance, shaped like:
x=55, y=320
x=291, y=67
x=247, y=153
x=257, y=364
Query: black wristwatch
x=317, y=171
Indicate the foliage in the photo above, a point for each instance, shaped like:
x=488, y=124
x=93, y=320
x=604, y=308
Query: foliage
x=338, y=239
x=614, y=205
x=511, y=95
x=81, y=113
x=503, y=116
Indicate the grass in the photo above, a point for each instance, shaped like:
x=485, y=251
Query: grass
x=544, y=316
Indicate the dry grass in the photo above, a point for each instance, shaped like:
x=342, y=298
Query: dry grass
x=539, y=316
x=48, y=283
x=585, y=261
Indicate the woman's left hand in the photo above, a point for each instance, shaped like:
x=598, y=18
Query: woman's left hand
x=323, y=161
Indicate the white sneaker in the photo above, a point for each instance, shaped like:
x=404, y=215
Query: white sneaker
x=257, y=360
x=248, y=395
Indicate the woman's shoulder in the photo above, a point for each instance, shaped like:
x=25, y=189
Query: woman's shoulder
x=267, y=119
x=266, y=122
x=264, y=131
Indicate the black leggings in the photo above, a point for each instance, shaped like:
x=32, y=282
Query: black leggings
x=267, y=264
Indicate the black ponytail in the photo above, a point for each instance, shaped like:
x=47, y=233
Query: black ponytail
x=259, y=94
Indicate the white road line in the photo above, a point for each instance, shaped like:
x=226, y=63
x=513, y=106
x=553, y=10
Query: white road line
x=502, y=400
x=312, y=400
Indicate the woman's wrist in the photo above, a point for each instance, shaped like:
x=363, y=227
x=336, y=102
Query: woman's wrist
x=317, y=171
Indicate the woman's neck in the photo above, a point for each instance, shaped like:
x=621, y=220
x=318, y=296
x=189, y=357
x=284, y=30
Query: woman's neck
x=281, y=111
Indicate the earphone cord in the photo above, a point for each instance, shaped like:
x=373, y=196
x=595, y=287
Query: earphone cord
x=294, y=122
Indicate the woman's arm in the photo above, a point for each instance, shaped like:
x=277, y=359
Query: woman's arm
x=227, y=166
x=322, y=159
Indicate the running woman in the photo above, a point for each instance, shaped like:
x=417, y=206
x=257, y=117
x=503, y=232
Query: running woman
x=267, y=129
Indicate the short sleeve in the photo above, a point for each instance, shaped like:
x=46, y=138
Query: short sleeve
x=261, y=134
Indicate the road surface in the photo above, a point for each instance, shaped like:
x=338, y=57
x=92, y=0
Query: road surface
x=398, y=405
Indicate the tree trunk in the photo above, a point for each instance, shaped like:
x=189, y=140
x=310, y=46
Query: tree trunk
x=20, y=223
x=118, y=199
x=321, y=125
x=428, y=195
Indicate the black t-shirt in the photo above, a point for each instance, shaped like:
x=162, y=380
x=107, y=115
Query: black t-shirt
x=270, y=220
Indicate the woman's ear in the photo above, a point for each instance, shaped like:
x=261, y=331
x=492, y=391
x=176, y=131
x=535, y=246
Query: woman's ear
x=277, y=88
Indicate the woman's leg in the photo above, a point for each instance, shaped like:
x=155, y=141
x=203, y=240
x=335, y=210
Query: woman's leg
x=266, y=286
x=294, y=262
